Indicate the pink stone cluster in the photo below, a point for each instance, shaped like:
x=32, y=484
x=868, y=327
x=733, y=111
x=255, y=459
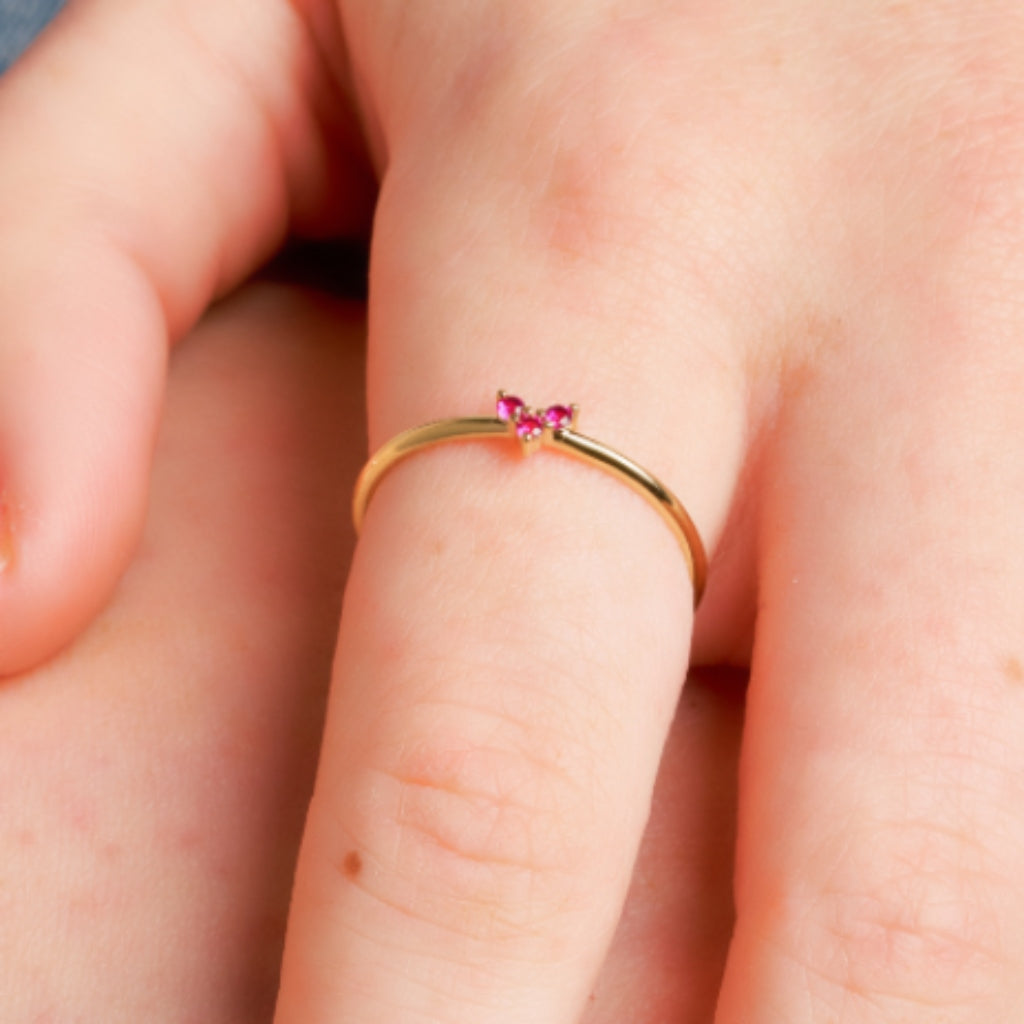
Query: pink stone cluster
x=531, y=423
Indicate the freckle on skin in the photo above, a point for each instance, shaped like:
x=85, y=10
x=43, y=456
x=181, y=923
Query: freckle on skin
x=1014, y=670
x=352, y=865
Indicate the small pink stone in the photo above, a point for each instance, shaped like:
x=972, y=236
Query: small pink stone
x=558, y=417
x=509, y=407
x=529, y=427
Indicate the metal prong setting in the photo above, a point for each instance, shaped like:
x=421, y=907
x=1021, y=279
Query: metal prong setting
x=530, y=425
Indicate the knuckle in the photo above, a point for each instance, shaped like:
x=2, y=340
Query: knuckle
x=912, y=919
x=484, y=805
x=589, y=183
x=483, y=838
x=961, y=131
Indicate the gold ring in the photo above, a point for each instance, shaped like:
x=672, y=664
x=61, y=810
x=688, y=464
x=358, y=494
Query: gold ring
x=553, y=427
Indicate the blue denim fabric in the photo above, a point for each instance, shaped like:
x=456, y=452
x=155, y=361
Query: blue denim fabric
x=20, y=20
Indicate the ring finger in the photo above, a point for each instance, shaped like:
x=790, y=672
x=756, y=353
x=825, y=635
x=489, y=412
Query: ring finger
x=515, y=633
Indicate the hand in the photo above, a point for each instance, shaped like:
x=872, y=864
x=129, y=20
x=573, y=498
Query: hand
x=154, y=776
x=772, y=254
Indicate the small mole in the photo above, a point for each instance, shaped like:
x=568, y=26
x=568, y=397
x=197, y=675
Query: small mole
x=1014, y=670
x=352, y=865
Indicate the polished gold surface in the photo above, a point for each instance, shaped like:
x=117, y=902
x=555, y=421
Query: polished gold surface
x=566, y=440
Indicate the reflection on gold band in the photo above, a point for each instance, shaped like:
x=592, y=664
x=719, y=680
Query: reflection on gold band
x=565, y=440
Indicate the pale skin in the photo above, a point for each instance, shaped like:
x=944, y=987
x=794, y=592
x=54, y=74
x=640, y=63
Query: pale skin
x=153, y=777
x=772, y=250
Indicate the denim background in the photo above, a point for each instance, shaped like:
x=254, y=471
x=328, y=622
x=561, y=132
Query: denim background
x=20, y=20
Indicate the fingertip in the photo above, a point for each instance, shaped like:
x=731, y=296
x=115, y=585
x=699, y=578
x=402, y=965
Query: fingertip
x=80, y=392
x=62, y=552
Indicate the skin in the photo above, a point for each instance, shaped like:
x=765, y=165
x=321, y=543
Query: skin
x=772, y=251
x=197, y=697
x=155, y=773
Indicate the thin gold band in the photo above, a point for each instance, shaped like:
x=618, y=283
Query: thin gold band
x=543, y=434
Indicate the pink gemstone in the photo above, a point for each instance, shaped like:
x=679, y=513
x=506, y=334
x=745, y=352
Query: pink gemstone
x=509, y=407
x=529, y=427
x=558, y=417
